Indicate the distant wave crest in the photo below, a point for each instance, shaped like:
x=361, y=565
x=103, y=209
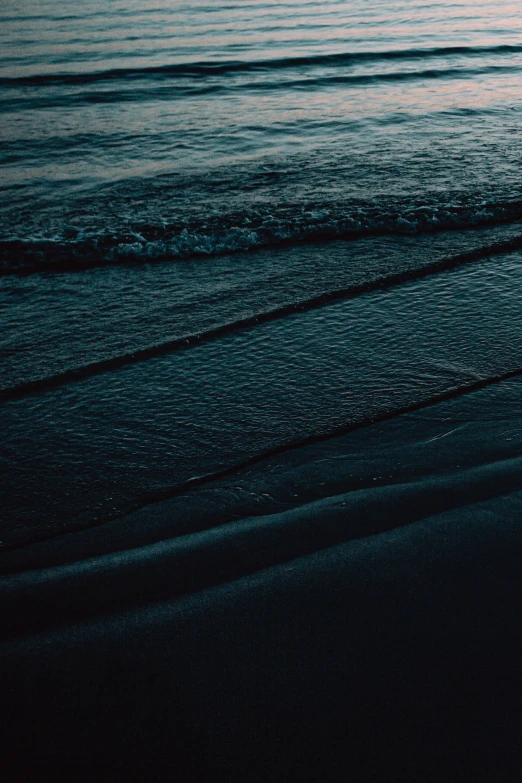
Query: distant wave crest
x=210, y=68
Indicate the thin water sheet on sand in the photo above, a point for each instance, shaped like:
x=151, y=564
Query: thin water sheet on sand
x=93, y=448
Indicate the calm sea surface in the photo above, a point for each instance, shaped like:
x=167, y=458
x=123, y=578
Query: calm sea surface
x=182, y=172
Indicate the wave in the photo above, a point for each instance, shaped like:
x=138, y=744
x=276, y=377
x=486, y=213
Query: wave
x=197, y=87
x=191, y=340
x=174, y=567
x=73, y=250
x=209, y=68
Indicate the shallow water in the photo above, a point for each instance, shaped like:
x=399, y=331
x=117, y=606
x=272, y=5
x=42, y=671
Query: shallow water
x=127, y=436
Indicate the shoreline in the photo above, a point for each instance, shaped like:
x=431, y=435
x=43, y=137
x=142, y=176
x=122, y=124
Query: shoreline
x=441, y=442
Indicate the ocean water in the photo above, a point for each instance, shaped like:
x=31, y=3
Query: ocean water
x=165, y=130
x=226, y=229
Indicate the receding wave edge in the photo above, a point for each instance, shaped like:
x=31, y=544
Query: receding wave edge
x=193, y=340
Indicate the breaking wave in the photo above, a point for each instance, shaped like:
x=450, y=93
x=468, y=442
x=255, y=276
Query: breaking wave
x=74, y=249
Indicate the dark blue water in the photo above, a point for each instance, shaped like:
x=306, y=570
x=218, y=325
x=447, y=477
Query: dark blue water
x=271, y=180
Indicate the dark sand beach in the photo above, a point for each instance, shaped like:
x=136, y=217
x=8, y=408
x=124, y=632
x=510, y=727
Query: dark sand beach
x=345, y=610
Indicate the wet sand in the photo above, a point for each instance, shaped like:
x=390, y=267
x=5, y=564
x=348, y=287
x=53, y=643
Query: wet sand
x=346, y=610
